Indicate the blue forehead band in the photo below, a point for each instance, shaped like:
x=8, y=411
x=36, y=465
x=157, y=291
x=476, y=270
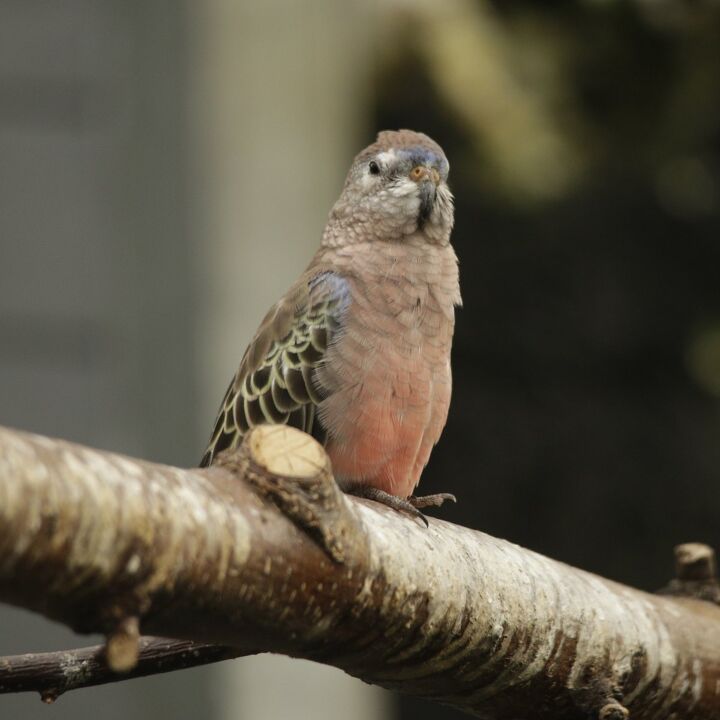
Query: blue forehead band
x=423, y=156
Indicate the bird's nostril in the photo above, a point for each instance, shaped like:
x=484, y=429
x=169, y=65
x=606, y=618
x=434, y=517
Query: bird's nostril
x=418, y=173
x=423, y=172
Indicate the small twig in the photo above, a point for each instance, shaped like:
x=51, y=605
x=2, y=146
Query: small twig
x=53, y=673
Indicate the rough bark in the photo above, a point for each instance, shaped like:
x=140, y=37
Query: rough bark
x=264, y=553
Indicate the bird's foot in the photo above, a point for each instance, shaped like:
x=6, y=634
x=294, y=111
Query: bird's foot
x=410, y=506
x=435, y=500
x=369, y=492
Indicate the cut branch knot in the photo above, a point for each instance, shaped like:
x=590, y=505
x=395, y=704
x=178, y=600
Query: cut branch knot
x=613, y=711
x=292, y=470
x=123, y=646
x=695, y=573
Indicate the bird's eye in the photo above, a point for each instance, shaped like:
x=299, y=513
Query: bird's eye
x=374, y=168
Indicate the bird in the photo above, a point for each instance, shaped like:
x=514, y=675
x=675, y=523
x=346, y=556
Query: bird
x=357, y=352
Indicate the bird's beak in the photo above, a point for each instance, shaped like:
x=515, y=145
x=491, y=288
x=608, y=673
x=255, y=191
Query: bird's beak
x=427, y=179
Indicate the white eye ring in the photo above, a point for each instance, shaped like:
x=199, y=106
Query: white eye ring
x=373, y=168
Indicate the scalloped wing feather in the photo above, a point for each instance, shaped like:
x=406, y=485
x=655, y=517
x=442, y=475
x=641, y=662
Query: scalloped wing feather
x=275, y=383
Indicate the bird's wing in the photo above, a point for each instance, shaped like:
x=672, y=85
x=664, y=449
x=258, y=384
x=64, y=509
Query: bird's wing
x=275, y=383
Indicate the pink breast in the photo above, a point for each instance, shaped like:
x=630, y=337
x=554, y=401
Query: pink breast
x=382, y=435
x=387, y=376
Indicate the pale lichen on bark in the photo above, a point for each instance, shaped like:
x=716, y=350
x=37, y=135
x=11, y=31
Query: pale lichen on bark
x=77, y=520
x=263, y=553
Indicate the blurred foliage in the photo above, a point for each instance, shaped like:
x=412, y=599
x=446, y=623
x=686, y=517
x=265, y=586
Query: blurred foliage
x=704, y=358
x=548, y=95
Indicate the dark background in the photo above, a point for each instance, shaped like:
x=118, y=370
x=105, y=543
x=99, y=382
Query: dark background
x=165, y=171
x=585, y=421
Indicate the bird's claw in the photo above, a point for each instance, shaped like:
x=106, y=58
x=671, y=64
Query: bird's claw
x=410, y=506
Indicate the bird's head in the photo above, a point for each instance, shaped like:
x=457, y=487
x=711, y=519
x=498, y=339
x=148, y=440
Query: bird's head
x=396, y=187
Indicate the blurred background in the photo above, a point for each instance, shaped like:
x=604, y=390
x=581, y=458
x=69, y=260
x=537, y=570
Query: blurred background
x=165, y=173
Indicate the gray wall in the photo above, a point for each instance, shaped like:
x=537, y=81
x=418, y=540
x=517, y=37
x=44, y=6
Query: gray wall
x=96, y=328
x=165, y=172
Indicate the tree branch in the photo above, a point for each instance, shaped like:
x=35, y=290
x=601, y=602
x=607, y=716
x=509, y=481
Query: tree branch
x=264, y=553
x=53, y=673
